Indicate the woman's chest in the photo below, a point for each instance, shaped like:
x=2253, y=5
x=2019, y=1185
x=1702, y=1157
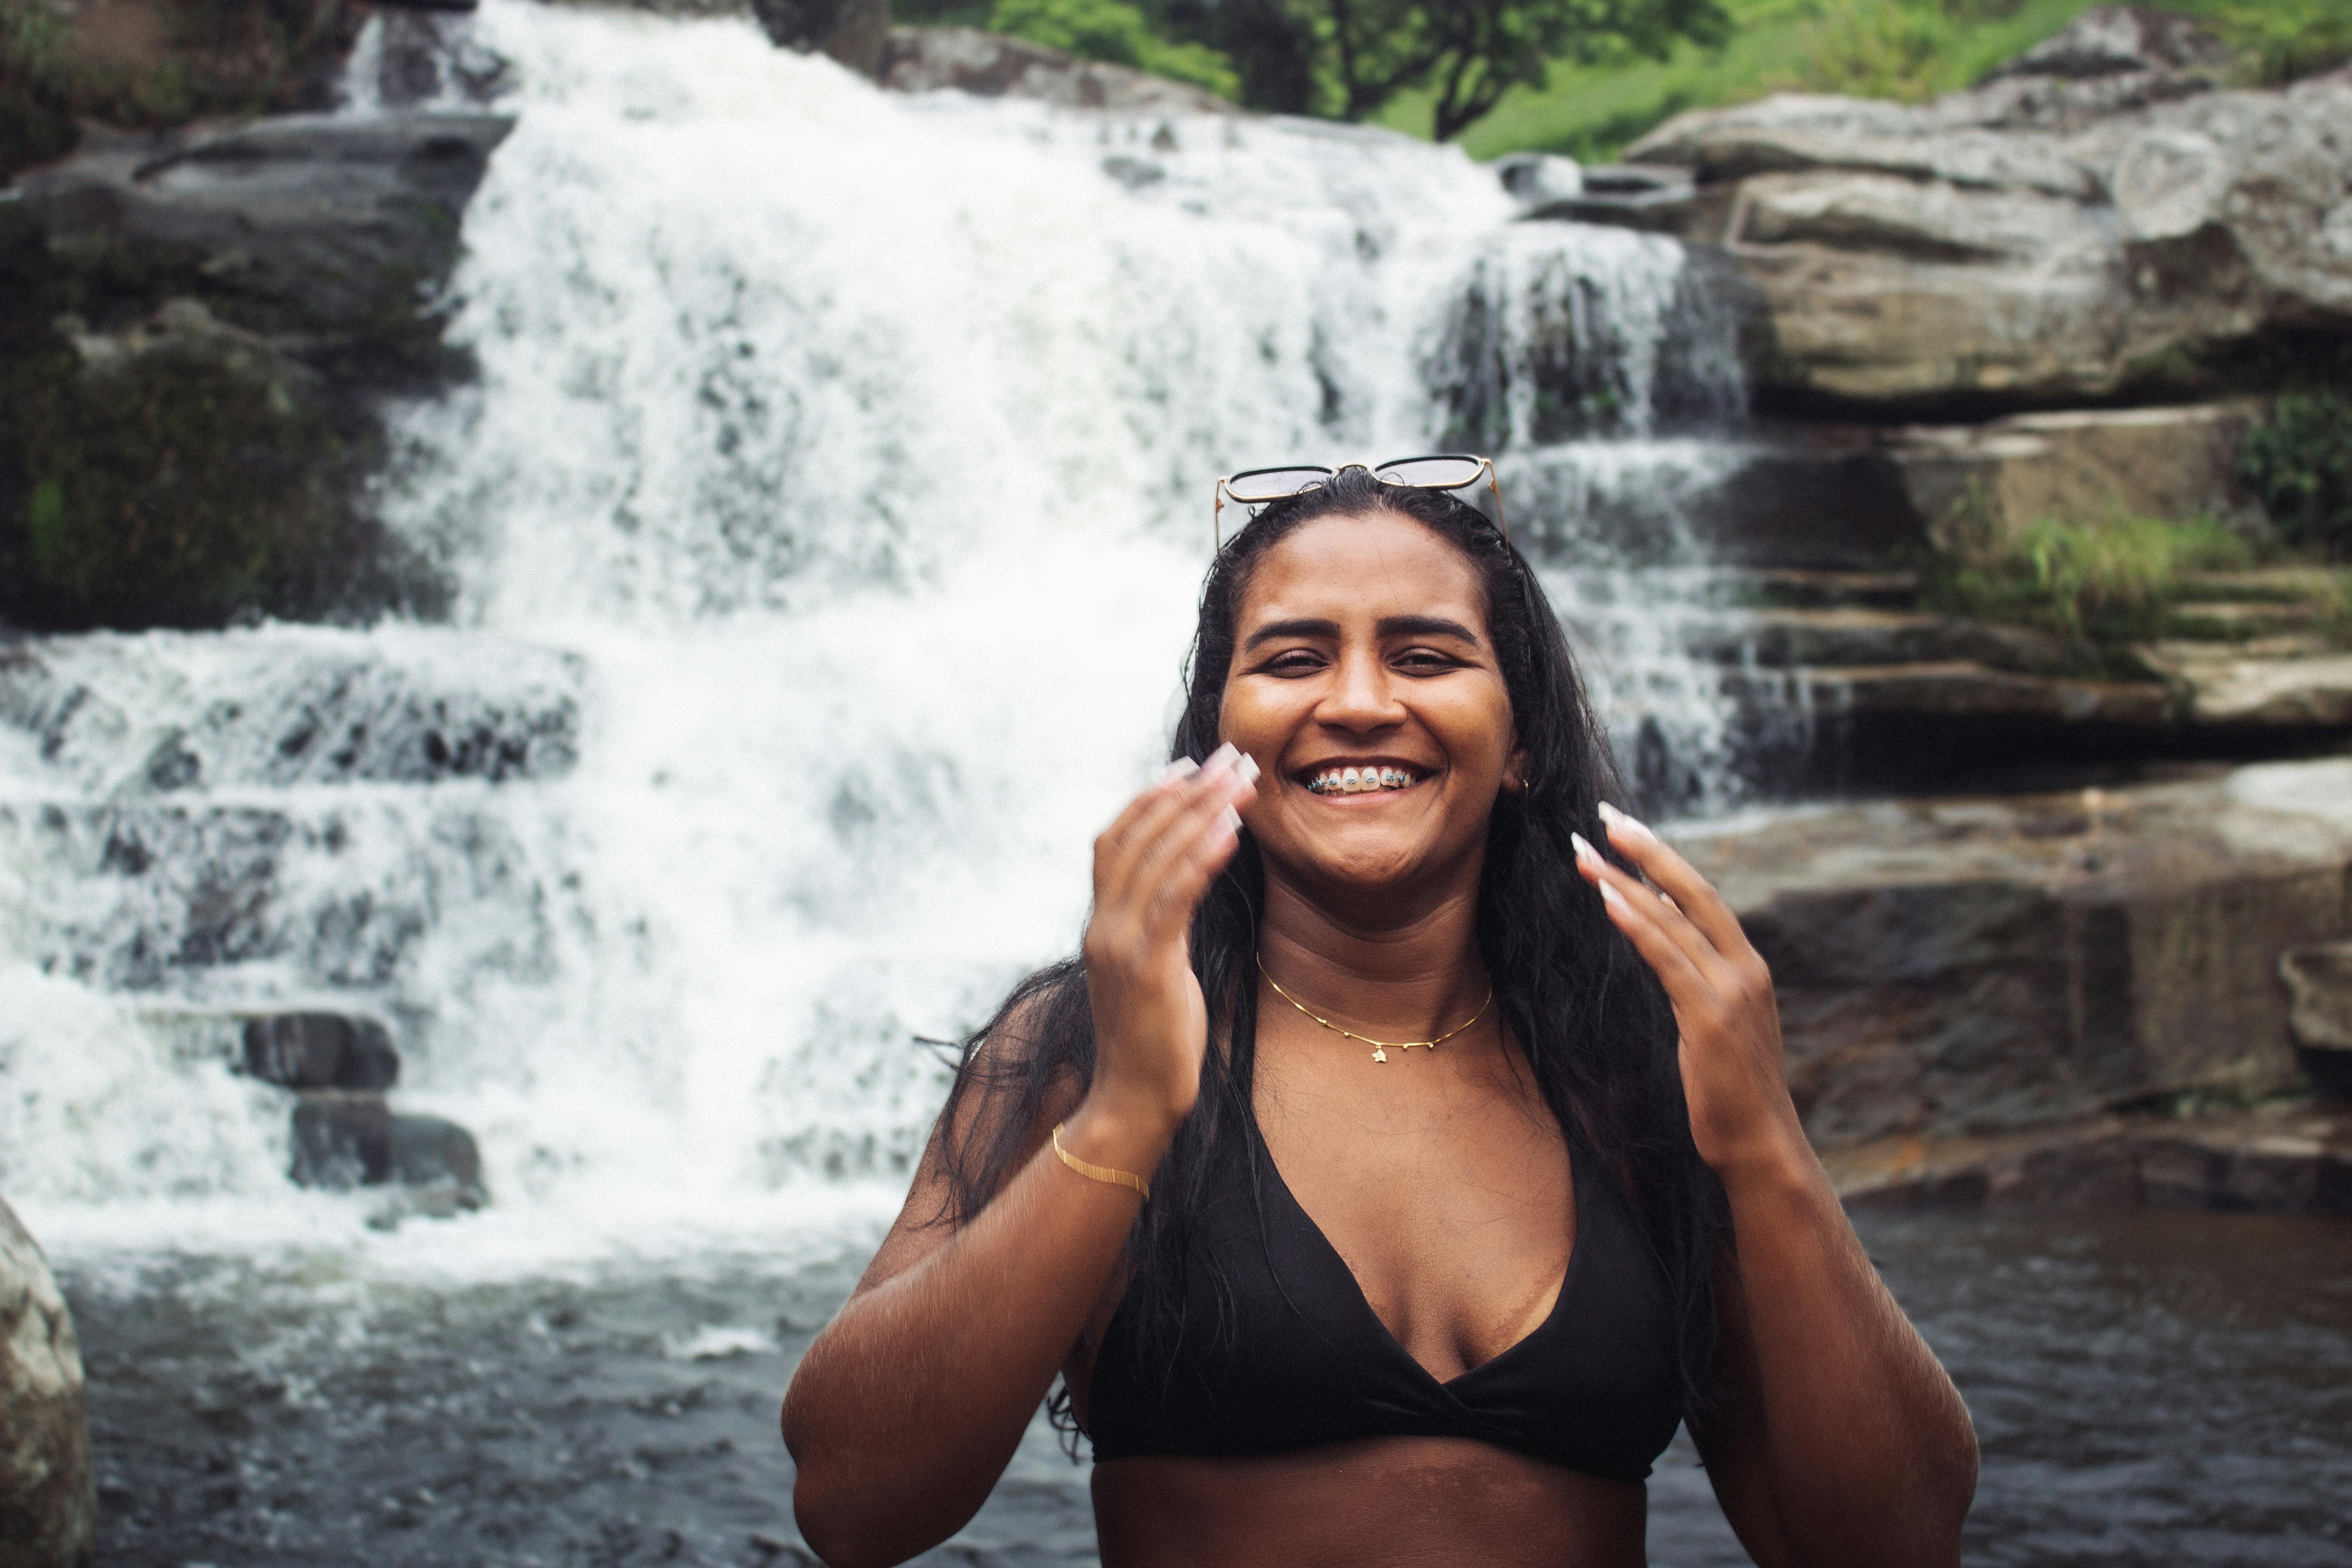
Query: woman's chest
x=1446, y=1199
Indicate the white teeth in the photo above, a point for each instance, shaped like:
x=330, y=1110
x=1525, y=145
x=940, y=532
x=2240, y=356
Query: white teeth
x=1351, y=781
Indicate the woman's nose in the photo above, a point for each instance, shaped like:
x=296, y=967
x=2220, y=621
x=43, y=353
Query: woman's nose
x=1362, y=698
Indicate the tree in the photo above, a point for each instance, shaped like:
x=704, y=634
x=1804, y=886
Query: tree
x=1471, y=51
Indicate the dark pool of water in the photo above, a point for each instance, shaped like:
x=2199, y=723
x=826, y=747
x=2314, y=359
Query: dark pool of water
x=2150, y=1389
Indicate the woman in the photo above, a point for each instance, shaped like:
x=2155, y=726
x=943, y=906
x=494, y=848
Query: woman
x=1388, y=1180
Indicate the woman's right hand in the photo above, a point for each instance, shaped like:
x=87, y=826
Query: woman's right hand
x=1151, y=867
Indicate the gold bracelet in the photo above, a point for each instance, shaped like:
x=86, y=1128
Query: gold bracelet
x=1099, y=1173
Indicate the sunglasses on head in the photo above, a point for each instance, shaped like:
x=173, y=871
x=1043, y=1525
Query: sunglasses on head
x=1451, y=471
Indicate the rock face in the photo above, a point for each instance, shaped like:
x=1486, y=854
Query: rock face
x=1966, y=966
x=201, y=329
x=990, y=65
x=48, y=1503
x=2319, y=987
x=1970, y=485
x=2094, y=221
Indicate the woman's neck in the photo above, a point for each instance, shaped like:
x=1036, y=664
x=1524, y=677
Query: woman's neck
x=1403, y=979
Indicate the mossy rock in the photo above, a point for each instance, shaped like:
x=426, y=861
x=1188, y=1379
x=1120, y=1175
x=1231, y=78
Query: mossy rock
x=176, y=475
x=150, y=64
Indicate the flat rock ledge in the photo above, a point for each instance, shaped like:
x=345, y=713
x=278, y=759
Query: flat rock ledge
x=2284, y=1158
x=1970, y=966
x=49, y=1501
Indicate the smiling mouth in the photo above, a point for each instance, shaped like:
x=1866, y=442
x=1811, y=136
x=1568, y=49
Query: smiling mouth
x=1362, y=781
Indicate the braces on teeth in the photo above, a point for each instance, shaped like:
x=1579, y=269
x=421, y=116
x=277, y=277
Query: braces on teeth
x=1358, y=781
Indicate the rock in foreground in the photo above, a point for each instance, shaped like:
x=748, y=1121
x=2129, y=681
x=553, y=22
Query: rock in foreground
x=49, y=1504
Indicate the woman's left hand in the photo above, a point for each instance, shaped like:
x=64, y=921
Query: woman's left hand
x=1734, y=1076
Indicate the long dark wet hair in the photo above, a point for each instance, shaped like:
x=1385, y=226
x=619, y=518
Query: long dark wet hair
x=1590, y=1020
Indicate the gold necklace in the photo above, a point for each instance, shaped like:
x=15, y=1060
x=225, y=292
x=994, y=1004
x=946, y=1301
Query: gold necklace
x=1381, y=1048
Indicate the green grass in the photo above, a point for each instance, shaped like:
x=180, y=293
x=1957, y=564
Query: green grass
x=1910, y=49
x=2110, y=583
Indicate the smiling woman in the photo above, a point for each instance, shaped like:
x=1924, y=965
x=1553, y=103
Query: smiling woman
x=1317, y=1296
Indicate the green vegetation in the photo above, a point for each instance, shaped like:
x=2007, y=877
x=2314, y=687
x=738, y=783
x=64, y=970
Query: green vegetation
x=163, y=62
x=1587, y=77
x=2109, y=582
x=1909, y=49
x=182, y=488
x=1348, y=59
x=2299, y=463
x=1118, y=33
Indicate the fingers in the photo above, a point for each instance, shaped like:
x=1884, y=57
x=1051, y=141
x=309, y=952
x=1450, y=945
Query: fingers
x=1691, y=894
x=1173, y=838
x=1645, y=917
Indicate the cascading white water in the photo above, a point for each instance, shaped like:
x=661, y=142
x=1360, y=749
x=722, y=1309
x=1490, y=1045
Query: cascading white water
x=826, y=522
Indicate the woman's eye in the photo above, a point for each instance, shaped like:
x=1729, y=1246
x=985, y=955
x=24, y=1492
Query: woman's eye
x=1297, y=661
x=1425, y=661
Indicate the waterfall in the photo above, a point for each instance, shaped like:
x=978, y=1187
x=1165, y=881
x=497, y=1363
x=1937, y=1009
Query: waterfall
x=825, y=525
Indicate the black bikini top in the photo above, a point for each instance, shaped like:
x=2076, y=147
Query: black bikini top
x=1298, y=1359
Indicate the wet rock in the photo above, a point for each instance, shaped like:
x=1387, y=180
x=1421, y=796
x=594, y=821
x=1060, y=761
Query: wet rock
x=2320, y=989
x=2046, y=238
x=1967, y=965
x=992, y=65
x=322, y=232
x=199, y=331
x=1539, y=179
x=432, y=1151
x=855, y=32
x=2281, y=1158
x=320, y=1050
x=342, y=1139
x=345, y=1138
x=48, y=1503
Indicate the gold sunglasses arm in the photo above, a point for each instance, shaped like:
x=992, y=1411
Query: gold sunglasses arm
x=1217, y=519
x=1494, y=486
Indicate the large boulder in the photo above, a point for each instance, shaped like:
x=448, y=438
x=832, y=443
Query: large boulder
x=2096, y=221
x=1974, y=965
x=49, y=1501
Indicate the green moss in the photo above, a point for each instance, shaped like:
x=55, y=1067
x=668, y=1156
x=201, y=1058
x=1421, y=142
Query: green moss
x=2299, y=461
x=182, y=488
x=2111, y=583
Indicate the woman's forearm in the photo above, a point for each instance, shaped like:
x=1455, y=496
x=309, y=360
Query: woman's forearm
x=1870, y=1454
x=909, y=1405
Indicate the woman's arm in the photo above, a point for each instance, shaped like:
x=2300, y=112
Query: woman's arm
x=909, y=1405
x=1840, y=1439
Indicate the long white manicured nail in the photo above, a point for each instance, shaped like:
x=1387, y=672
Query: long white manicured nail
x=1230, y=818
x=1223, y=757
x=1583, y=850
x=1247, y=768
x=1616, y=818
x=1181, y=768
x=1612, y=897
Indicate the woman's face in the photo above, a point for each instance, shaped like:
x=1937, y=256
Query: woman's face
x=1363, y=642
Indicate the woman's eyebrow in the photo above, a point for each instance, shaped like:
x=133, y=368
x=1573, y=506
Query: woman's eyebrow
x=1388, y=626
x=1425, y=626
x=1292, y=629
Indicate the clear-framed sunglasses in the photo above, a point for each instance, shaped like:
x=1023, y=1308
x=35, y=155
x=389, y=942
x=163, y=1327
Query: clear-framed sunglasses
x=1447, y=471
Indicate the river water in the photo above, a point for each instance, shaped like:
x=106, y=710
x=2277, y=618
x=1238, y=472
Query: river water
x=824, y=526
x=2150, y=1389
